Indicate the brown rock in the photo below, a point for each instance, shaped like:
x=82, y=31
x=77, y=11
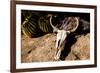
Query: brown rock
x=43, y=49
x=81, y=49
x=39, y=49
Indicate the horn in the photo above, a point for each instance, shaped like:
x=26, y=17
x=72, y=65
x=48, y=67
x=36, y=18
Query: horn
x=77, y=24
x=54, y=28
x=68, y=24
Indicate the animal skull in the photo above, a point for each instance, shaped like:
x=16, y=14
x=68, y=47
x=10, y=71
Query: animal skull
x=62, y=35
x=60, y=41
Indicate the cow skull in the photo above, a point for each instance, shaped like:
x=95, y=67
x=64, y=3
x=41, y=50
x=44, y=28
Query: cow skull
x=61, y=36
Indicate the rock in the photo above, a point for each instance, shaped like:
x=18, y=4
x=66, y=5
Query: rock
x=42, y=49
x=81, y=49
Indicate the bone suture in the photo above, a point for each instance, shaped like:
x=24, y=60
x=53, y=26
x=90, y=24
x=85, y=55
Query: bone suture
x=35, y=25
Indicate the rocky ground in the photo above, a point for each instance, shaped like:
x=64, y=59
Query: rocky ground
x=42, y=49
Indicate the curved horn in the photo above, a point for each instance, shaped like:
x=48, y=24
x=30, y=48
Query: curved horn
x=77, y=22
x=54, y=28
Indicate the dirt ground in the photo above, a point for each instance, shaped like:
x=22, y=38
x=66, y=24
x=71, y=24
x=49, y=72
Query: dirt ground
x=42, y=49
